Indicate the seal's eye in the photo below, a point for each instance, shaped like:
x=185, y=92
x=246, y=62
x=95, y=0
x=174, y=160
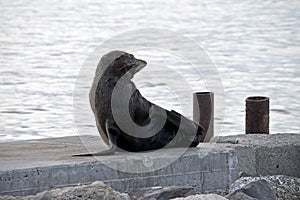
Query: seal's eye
x=126, y=67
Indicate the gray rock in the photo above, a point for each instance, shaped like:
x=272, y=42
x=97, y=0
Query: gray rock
x=96, y=190
x=238, y=195
x=46, y=195
x=259, y=189
x=284, y=187
x=203, y=197
x=162, y=193
x=5, y=197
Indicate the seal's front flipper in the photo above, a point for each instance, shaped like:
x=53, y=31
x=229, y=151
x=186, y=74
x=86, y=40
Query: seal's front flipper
x=113, y=140
x=108, y=152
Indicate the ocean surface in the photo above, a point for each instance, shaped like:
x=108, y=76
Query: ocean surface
x=45, y=48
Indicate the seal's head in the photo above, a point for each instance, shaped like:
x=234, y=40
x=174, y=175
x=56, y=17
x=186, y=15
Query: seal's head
x=119, y=63
x=113, y=66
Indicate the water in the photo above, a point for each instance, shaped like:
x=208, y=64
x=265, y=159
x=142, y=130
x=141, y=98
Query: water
x=255, y=46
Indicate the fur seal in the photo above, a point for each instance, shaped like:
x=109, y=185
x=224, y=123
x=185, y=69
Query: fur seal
x=171, y=129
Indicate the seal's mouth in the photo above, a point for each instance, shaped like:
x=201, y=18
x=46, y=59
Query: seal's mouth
x=141, y=65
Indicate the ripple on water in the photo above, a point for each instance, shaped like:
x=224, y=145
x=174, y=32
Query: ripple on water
x=43, y=45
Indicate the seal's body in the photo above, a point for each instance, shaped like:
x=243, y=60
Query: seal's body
x=128, y=120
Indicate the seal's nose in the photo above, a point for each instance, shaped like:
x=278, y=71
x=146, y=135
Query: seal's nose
x=141, y=65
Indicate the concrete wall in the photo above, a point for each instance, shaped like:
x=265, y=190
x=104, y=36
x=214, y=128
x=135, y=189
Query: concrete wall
x=209, y=167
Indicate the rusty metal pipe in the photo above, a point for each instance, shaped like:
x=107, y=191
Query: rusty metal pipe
x=257, y=115
x=203, y=113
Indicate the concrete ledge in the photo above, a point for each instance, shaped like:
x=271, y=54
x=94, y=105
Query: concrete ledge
x=276, y=154
x=28, y=167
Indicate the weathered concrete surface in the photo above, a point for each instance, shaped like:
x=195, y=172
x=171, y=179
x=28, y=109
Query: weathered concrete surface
x=261, y=154
x=29, y=167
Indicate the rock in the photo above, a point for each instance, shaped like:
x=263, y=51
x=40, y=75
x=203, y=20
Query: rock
x=46, y=195
x=238, y=195
x=162, y=193
x=287, y=188
x=284, y=187
x=96, y=190
x=5, y=197
x=203, y=197
x=260, y=190
x=243, y=174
